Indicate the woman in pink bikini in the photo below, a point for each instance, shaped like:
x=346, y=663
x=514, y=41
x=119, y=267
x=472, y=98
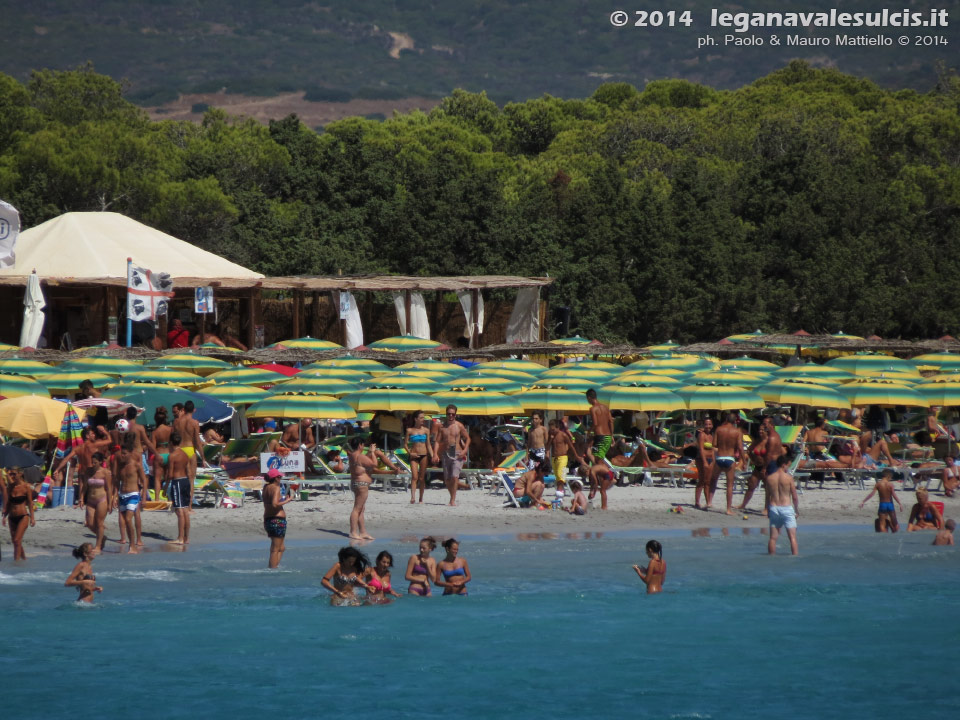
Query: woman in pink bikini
x=96, y=493
x=378, y=581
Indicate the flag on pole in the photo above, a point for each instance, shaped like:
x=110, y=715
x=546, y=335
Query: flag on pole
x=147, y=293
x=9, y=230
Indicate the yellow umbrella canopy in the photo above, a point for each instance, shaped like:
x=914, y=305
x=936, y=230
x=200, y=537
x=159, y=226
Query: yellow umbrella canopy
x=654, y=379
x=31, y=416
x=21, y=366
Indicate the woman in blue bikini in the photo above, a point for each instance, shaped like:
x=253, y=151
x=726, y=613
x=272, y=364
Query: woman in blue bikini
x=420, y=450
x=454, y=572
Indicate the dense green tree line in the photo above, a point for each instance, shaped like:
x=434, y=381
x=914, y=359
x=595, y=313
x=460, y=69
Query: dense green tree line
x=808, y=198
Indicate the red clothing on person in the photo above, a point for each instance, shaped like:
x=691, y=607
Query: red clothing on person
x=178, y=338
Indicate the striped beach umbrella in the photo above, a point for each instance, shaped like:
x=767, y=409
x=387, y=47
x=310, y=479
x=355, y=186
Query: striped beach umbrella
x=748, y=364
x=433, y=375
x=841, y=335
x=669, y=346
x=70, y=381
x=640, y=398
x=355, y=376
x=550, y=398
x=401, y=343
x=321, y=385
x=882, y=392
x=517, y=375
x=575, y=340
x=103, y=365
x=513, y=364
x=684, y=363
x=22, y=366
x=168, y=376
x=307, y=343
x=348, y=362
x=575, y=384
x=432, y=366
x=390, y=400
x=942, y=361
x=473, y=380
x=189, y=362
x=654, y=380
x=940, y=394
x=901, y=377
x=404, y=381
x=247, y=376
x=4, y=347
x=753, y=337
x=213, y=347
x=812, y=370
x=123, y=389
x=235, y=393
x=590, y=365
x=950, y=376
x=792, y=392
x=285, y=370
x=479, y=402
x=17, y=385
x=150, y=397
x=719, y=397
x=302, y=405
x=731, y=377
x=561, y=371
x=860, y=363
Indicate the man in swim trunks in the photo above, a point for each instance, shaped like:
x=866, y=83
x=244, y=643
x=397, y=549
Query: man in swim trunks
x=133, y=487
x=602, y=422
x=299, y=436
x=886, y=515
x=453, y=444
x=782, y=502
x=729, y=443
x=536, y=440
x=274, y=516
x=182, y=472
x=189, y=431
x=561, y=444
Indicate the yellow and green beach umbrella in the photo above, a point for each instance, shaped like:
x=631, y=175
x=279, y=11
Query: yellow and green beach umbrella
x=748, y=364
x=103, y=365
x=516, y=375
x=940, y=394
x=942, y=361
x=247, y=376
x=476, y=381
x=301, y=405
x=653, y=379
x=169, y=376
x=640, y=398
x=390, y=400
x=22, y=366
x=17, y=385
x=432, y=366
x=860, y=363
x=69, y=382
x=812, y=370
x=550, y=398
x=513, y=364
x=882, y=392
x=563, y=371
x=683, y=363
x=575, y=384
x=792, y=392
x=348, y=362
x=404, y=382
x=402, y=343
x=235, y=393
x=189, y=362
x=322, y=385
x=712, y=396
x=355, y=376
x=307, y=343
x=731, y=377
x=575, y=340
x=479, y=402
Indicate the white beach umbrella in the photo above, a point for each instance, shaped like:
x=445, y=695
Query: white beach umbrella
x=33, y=317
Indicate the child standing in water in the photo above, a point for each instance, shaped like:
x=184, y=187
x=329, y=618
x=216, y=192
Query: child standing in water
x=656, y=572
x=82, y=576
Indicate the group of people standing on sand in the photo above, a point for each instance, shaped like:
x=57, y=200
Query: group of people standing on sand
x=353, y=571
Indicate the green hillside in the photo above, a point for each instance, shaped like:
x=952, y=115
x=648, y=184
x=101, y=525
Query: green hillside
x=340, y=50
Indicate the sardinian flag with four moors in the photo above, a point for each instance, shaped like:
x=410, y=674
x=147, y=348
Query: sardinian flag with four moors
x=147, y=293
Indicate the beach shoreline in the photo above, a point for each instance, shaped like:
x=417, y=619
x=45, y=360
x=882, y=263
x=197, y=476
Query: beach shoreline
x=391, y=517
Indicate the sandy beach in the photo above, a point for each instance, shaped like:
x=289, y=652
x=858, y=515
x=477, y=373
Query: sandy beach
x=390, y=516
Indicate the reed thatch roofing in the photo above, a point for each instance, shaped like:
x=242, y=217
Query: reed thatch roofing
x=378, y=283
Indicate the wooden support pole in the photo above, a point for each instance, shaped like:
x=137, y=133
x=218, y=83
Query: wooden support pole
x=297, y=302
x=406, y=308
x=475, y=322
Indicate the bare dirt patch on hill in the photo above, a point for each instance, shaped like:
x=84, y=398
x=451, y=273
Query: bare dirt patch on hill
x=265, y=109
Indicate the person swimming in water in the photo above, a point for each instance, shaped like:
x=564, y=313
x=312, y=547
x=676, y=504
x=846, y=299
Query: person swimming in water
x=345, y=576
x=453, y=571
x=82, y=577
x=656, y=572
x=421, y=568
x=378, y=580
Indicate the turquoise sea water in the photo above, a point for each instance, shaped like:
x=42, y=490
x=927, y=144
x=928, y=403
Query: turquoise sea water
x=859, y=626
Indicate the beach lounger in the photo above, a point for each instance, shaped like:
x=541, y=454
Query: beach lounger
x=328, y=480
x=507, y=483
